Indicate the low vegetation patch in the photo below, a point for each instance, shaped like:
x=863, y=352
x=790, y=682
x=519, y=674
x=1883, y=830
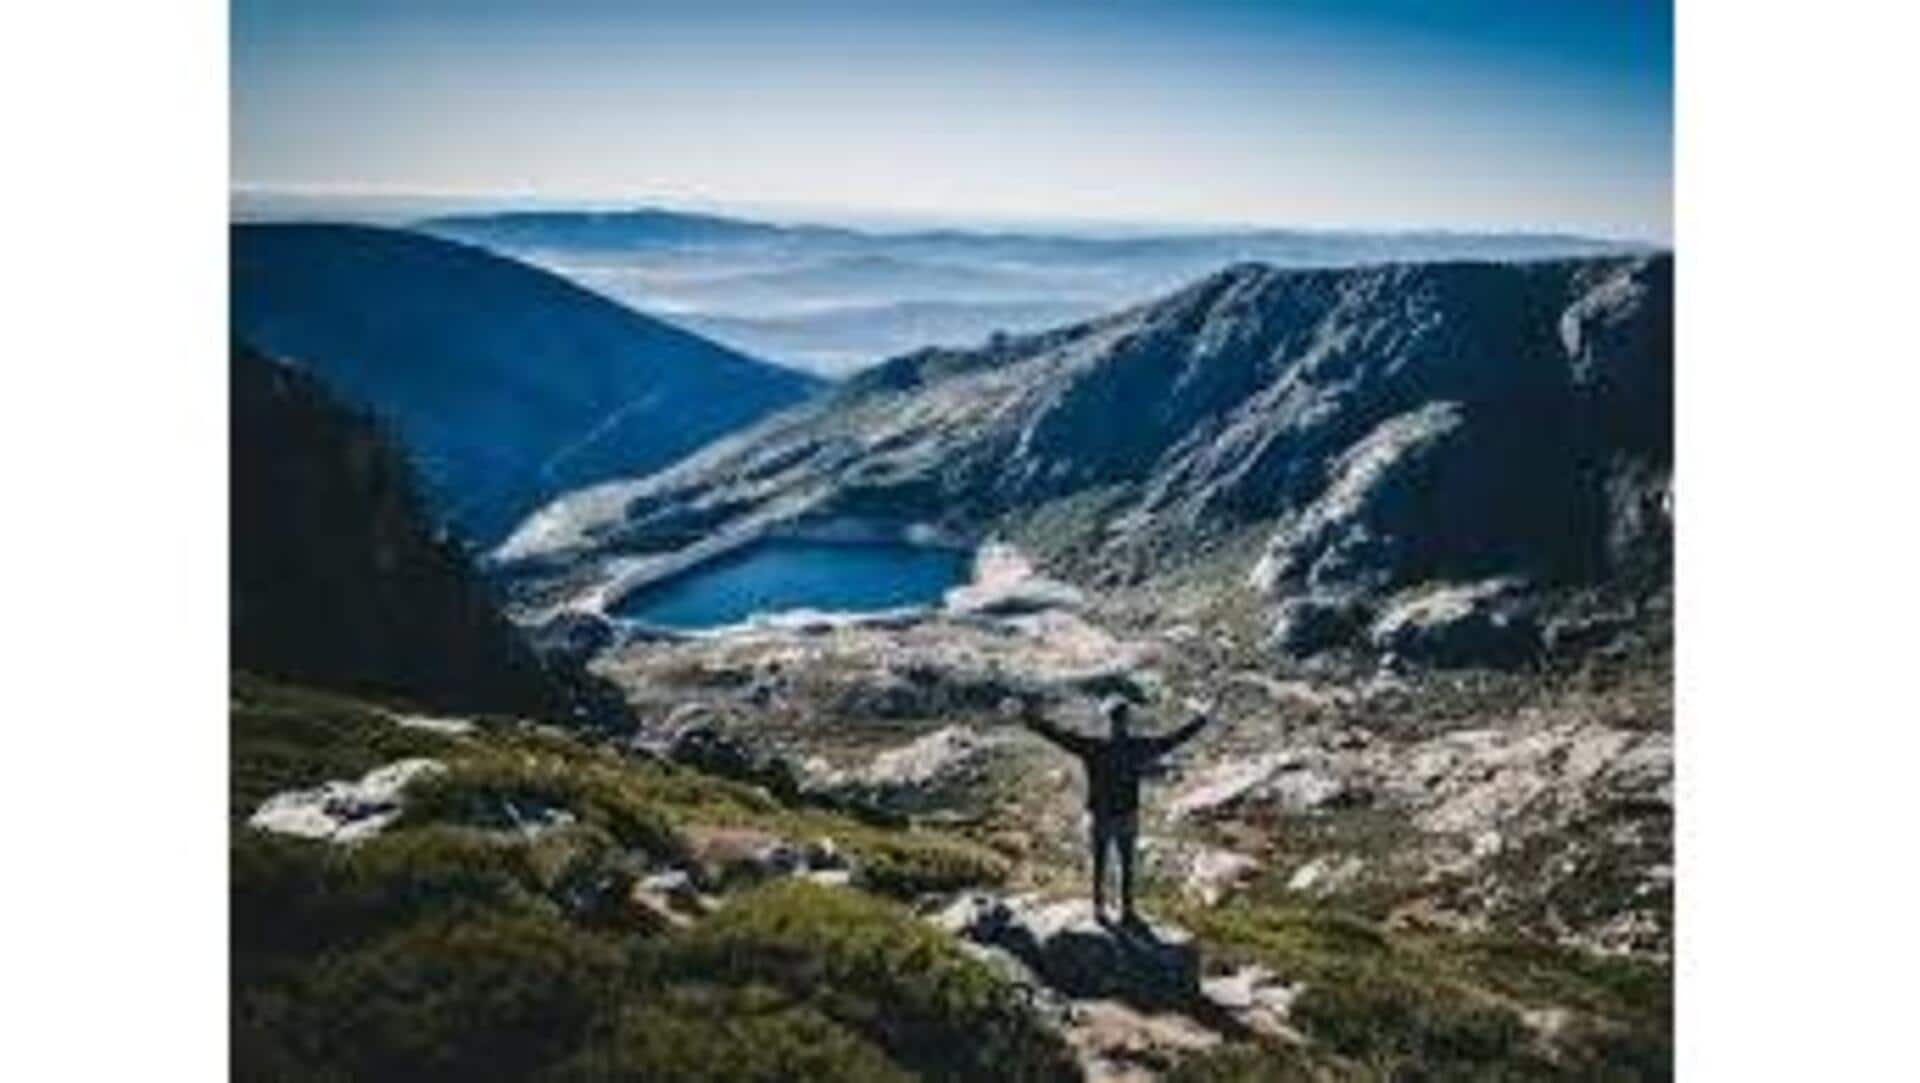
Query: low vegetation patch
x=871, y=966
x=286, y=738
x=490, y=933
x=1382, y=1005
x=721, y=1034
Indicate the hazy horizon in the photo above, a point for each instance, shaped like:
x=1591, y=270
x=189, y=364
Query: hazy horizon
x=401, y=208
x=1378, y=116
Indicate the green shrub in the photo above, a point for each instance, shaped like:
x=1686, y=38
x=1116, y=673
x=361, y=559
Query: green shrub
x=907, y=864
x=1414, y=1031
x=708, y=1035
x=499, y=793
x=1394, y=1007
x=873, y=967
x=298, y=896
x=1247, y=1063
x=1619, y=987
x=491, y=996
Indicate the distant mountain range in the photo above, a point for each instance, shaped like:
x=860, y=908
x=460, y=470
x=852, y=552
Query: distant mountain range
x=731, y=276
x=844, y=338
x=507, y=384
x=1383, y=428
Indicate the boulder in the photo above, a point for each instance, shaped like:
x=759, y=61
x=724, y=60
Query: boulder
x=1480, y=623
x=1293, y=781
x=1075, y=953
x=670, y=898
x=1033, y=595
x=939, y=756
x=1326, y=875
x=1257, y=998
x=1005, y=584
x=445, y=727
x=1308, y=624
x=343, y=811
x=1212, y=873
x=691, y=736
x=1571, y=635
x=930, y=772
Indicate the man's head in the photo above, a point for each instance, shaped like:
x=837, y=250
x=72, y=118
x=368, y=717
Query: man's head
x=1119, y=715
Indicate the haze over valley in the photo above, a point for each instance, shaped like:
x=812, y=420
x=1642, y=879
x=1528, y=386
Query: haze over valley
x=832, y=300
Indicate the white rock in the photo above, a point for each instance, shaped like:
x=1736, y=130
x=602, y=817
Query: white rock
x=343, y=811
x=1257, y=998
x=450, y=727
x=1228, y=782
x=1005, y=584
x=1212, y=872
x=1287, y=778
x=926, y=759
x=1326, y=875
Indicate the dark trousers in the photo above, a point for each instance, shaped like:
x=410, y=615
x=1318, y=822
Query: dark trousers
x=1117, y=832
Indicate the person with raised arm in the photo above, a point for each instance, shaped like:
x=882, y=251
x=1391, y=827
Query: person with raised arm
x=1114, y=765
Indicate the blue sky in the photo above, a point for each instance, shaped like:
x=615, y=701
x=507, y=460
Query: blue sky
x=1506, y=114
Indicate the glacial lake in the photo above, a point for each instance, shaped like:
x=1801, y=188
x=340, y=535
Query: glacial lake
x=776, y=575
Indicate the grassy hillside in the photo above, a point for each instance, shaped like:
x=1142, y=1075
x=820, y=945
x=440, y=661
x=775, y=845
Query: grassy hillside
x=461, y=944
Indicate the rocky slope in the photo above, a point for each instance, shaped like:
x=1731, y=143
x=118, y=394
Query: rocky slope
x=1424, y=450
x=491, y=898
x=507, y=384
x=338, y=577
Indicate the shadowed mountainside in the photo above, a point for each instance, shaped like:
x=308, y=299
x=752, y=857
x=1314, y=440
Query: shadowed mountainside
x=507, y=384
x=338, y=578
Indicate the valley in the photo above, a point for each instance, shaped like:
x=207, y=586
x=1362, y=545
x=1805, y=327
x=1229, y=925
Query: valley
x=1404, y=529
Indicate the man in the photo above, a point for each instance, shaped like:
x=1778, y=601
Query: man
x=1113, y=768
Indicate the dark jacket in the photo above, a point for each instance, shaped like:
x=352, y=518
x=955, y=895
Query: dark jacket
x=1114, y=765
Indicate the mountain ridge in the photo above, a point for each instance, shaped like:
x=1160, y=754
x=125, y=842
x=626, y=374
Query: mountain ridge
x=661, y=224
x=508, y=384
x=1375, y=420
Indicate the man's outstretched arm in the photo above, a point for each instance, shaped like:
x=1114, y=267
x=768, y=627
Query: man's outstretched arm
x=1202, y=718
x=1032, y=717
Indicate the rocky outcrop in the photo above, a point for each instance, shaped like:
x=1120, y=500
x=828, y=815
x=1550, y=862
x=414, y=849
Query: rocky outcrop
x=343, y=811
x=1391, y=427
x=1557, y=824
x=1289, y=780
x=1258, y=999
x=1075, y=953
x=934, y=770
x=1459, y=624
x=694, y=737
x=1005, y=584
x=1212, y=873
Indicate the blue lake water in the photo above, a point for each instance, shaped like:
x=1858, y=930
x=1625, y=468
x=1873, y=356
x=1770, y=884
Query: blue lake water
x=776, y=575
